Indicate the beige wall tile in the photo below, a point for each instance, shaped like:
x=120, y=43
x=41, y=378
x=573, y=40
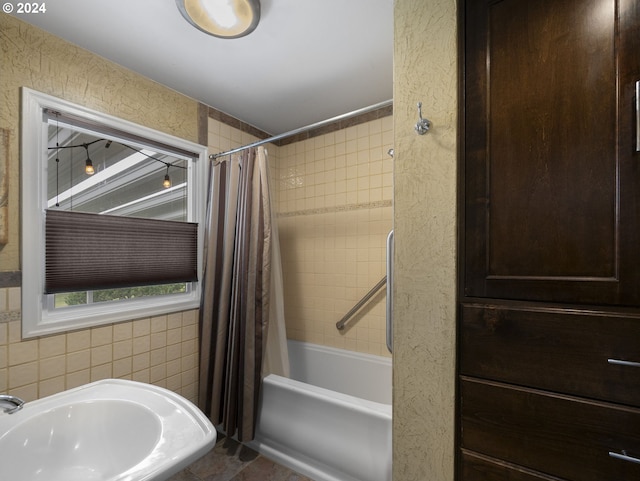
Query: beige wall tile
x=189, y=347
x=23, y=374
x=158, y=340
x=158, y=324
x=101, y=336
x=174, y=320
x=101, y=372
x=174, y=382
x=101, y=355
x=51, y=386
x=78, y=361
x=26, y=393
x=14, y=331
x=22, y=352
x=4, y=333
x=141, y=344
x=141, y=361
x=141, y=327
x=52, y=346
x=174, y=336
x=78, y=378
x=14, y=298
x=174, y=351
x=52, y=367
x=142, y=376
x=78, y=340
x=189, y=332
x=157, y=373
x=122, y=349
x=122, y=331
x=122, y=368
x=174, y=367
x=158, y=357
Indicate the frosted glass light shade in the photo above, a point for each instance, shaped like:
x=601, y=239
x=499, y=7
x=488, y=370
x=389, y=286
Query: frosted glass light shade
x=222, y=18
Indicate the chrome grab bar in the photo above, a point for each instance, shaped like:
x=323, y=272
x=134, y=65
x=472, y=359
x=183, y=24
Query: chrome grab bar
x=390, y=291
x=340, y=324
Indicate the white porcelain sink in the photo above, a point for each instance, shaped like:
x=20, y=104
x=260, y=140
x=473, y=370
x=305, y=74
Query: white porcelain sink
x=111, y=430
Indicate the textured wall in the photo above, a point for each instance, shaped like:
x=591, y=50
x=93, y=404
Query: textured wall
x=425, y=226
x=33, y=58
x=161, y=350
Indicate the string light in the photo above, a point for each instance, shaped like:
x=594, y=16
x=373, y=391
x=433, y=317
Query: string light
x=90, y=170
x=88, y=165
x=167, y=180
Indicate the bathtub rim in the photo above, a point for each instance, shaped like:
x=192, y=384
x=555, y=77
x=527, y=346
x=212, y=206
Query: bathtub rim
x=337, y=356
x=344, y=400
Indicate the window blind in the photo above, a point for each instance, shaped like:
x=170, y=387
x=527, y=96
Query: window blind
x=91, y=251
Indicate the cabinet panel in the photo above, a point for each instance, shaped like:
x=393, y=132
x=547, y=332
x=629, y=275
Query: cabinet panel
x=555, y=349
x=558, y=435
x=480, y=468
x=551, y=179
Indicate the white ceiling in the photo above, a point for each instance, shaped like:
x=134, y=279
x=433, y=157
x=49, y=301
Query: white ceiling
x=307, y=61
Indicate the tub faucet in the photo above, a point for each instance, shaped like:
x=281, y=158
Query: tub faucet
x=15, y=403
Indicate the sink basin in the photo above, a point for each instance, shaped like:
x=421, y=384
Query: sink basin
x=110, y=430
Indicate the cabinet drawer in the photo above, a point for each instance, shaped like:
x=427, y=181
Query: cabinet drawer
x=474, y=467
x=557, y=435
x=559, y=350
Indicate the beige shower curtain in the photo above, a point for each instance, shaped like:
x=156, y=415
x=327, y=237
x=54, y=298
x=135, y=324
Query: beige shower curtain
x=236, y=299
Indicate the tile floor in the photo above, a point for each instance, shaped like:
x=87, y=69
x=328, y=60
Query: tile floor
x=231, y=461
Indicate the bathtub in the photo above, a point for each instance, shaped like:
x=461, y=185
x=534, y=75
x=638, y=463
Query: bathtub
x=331, y=421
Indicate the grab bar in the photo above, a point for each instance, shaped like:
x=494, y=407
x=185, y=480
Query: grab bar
x=390, y=291
x=340, y=324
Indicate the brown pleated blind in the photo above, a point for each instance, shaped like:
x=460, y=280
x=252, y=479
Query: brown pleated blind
x=92, y=251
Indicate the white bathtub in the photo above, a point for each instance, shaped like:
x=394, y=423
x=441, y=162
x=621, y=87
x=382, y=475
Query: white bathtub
x=332, y=420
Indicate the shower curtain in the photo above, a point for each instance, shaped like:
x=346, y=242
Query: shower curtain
x=240, y=323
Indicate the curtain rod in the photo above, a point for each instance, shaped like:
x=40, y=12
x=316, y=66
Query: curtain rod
x=299, y=130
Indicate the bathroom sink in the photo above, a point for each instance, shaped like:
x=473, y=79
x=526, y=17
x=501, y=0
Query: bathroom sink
x=110, y=430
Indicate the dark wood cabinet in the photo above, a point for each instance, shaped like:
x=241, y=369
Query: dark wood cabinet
x=549, y=241
x=558, y=435
x=551, y=174
x=576, y=352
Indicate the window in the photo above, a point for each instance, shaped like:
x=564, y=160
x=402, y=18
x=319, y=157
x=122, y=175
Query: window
x=77, y=162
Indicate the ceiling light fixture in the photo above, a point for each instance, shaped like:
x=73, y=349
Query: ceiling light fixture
x=222, y=18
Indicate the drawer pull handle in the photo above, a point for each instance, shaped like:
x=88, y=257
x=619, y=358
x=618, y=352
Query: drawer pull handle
x=623, y=363
x=624, y=456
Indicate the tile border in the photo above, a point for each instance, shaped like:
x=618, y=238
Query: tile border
x=339, y=208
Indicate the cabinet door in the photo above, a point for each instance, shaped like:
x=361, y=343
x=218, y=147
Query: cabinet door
x=551, y=172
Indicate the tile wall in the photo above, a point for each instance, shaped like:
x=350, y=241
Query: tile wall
x=160, y=350
x=335, y=210
x=334, y=200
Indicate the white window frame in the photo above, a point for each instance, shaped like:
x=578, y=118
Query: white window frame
x=37, y=317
